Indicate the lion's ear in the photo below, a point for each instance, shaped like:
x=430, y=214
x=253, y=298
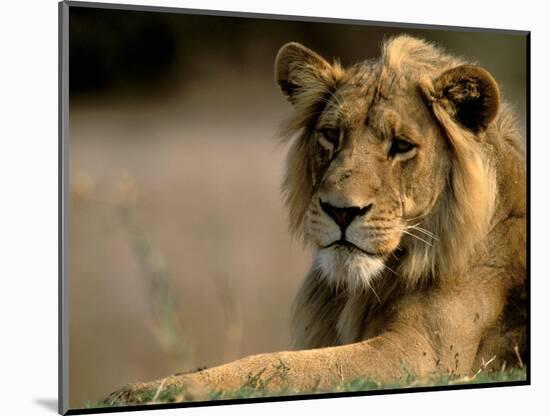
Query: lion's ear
x=303, y=75
x=469, y=94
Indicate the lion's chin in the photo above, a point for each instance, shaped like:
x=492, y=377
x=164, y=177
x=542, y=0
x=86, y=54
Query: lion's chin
x=351, y=269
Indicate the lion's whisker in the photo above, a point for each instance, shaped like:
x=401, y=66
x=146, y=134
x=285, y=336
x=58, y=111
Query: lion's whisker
x=371, y=287
x=414, y=218
x=390, y=269
x=417, y=237
x=336, y=98
x=423, y=231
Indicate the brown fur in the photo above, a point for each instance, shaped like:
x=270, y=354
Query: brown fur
x=443, y=288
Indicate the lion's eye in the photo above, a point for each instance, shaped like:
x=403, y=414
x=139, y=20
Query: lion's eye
x=331, y=135
x=400, y=146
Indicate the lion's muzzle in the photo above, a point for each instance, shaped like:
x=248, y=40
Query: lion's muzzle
x=345, y=215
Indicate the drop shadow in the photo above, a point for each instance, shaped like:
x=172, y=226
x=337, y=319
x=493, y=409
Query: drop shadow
x=49, y=404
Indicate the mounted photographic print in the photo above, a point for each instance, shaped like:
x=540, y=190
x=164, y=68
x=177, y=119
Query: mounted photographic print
x=266, y=208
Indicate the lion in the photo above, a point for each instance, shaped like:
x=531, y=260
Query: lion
x=406, y=176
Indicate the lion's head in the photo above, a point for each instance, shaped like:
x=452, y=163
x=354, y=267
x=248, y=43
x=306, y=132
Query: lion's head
x=388, y=169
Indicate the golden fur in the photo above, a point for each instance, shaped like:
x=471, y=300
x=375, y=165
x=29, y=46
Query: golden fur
x=420, y=250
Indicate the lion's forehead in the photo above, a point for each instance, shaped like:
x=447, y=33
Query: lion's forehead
x=370, y=94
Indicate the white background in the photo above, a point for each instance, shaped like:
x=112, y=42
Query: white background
x=28, y=210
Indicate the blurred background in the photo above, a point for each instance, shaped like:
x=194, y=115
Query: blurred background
x=179, y=251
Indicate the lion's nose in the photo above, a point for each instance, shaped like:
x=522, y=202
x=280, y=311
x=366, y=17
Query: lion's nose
x=343, y=216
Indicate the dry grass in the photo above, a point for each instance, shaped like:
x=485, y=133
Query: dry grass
x=175, y=394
